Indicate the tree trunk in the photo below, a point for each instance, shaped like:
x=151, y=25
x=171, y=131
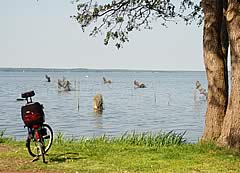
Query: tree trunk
x=225, y=45
x=215, y=69
x=230, y=135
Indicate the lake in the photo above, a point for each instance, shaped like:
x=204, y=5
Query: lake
x=167, y=103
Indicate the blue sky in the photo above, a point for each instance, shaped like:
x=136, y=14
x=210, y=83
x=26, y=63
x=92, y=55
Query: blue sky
x=41, y=34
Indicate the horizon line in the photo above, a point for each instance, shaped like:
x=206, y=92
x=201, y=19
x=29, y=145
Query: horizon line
x=90, y=69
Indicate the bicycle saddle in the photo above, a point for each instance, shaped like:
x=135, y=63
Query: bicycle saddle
x=28, y=94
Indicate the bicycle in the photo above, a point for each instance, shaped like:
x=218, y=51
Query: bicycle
x=40, y=135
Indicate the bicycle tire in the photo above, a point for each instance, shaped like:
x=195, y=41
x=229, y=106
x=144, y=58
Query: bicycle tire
x=47, y=139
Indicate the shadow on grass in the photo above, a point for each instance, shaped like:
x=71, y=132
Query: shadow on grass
x=65, y=156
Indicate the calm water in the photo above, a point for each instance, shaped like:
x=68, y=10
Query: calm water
x=166, y=104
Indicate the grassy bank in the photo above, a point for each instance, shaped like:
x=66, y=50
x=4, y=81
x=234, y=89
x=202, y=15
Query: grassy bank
x=129, y=153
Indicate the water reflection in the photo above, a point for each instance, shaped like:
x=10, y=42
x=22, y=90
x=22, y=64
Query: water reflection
x=98, y=120
x=199, y=101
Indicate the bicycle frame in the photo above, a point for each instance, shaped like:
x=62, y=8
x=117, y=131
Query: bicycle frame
x=33, y=132
x=40, y=135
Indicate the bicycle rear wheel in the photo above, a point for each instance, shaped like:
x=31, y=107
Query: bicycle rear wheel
x=46, y=139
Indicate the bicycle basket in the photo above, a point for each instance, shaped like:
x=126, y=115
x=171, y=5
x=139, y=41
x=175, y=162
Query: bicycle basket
x=32, y=114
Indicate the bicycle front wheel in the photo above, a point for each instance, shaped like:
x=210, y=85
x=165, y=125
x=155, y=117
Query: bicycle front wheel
x=46, y=139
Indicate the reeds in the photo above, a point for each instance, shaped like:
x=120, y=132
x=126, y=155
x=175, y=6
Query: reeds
x=152, y=140
x=148, y=139
x=1, y=135
x=3, y=138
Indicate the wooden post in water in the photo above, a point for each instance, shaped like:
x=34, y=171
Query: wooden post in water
x=169, y=98
x=78, y=95
x=155, y=98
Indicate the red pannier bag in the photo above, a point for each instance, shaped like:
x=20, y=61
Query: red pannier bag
x=32, y=114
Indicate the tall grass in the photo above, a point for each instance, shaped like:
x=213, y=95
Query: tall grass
x=153, y=140
x=148, y=139
x=1, y=135
x=59, y=139
x=3, y=138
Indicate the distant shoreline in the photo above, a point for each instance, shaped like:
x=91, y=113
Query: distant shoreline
x=85, y=70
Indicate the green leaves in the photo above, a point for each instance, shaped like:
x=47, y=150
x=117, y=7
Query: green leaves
x=108, y=35
x=120, y=17
x=95, y=11
x=121, y=36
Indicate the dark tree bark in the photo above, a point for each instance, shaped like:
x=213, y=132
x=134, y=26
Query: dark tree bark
x=230, y=135
x=225, y=46
x=215, y=64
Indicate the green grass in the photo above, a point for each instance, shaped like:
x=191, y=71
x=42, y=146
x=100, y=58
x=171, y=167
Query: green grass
x=3, y=138
x=144, y=152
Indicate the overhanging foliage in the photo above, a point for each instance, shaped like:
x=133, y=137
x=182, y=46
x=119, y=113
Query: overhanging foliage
x=120, y=17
